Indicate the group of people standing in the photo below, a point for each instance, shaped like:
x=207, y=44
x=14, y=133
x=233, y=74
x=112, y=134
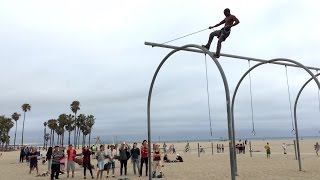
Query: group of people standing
x=57, y=159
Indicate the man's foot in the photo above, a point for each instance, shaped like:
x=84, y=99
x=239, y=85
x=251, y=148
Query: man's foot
x=113, y=176
x=107, y=176
x=217, y=55
x=205, y=46
x=85, y=178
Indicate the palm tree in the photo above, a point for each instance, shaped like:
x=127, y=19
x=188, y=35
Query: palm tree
x=52, y=125
x=44, y=133
x=5, y=125
x=15, y=116
x=80, y=124
x=70, y=125
x=25, y=107
x=75, y=106
x=46, y=138
x=62, y=120
x=90, y=122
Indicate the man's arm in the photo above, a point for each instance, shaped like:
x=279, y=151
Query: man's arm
x=222, y=22
x=235, y=21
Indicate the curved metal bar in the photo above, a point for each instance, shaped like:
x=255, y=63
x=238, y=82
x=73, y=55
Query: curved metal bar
x=230, y=128
x=257, y=65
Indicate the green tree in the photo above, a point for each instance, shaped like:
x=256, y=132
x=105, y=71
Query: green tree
x=69, y=125
x=52, y=125
x=80, y=125
x=46, y=138
x=44, y=133
x=62, y=122
x=15, y=116
x=90, y=122
x=5, y=125
x=75, y=107
x=25, y=107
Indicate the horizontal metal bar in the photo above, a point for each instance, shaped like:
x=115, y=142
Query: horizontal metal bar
x=226, y=55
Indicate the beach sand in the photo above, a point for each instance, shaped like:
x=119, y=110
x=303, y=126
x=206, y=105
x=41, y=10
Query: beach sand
x=207, y=166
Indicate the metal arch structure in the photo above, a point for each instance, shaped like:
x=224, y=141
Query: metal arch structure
x=227, y=93
x=296, y=103
x=296, y=124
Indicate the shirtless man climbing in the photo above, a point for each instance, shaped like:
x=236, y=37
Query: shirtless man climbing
x=222, y=34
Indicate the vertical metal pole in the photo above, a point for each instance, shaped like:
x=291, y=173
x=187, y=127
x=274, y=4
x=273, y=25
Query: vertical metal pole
x=198, y=150
x=212, y=147
x=250, y=149
x=295, y=149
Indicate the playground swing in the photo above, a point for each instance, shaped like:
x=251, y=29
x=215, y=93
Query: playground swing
x=293, y=131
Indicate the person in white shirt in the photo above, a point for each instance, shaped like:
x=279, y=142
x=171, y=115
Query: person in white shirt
x=284, y=147
x=111, y=154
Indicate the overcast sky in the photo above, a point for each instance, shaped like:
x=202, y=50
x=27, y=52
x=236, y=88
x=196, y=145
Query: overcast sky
x=53, y=53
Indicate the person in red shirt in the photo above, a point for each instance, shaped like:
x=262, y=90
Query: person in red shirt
x=71, y=156
x=86, y=161
x=144, y=156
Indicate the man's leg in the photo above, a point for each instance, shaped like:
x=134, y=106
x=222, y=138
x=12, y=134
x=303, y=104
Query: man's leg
x=141, y=165
x=146, y=160
x=219, y=47
x=73, y=167
x=68, y=168
x=211, y=36
x=125, y=167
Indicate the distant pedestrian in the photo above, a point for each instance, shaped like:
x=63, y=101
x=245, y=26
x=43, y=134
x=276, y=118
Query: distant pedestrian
x=101, y=156
x=123, y=152
x=111, y=155
x=22, y=154
x=268, y=149
x=284, y=147
x=317, y=148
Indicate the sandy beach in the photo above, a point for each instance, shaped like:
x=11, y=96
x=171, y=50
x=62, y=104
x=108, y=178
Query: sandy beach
x=207, y=166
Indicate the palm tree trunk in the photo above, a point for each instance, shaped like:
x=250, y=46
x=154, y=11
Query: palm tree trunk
x=75, y=130
x=15, y=135
x=24, y=118
x=69, y=138
x=79, y=132
x=62, y=139
x=44, y=138
x=58, y=139
x=89, y=138
x=52, y=138
x=84, y=140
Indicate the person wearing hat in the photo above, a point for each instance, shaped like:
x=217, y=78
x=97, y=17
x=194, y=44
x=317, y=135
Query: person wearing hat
x=55, y=167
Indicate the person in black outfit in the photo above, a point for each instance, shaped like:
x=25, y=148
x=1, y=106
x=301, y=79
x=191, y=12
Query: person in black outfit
x=22, y=154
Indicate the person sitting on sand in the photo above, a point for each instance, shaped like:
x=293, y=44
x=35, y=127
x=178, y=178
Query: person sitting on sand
x=268, y=150
x=179, y=158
